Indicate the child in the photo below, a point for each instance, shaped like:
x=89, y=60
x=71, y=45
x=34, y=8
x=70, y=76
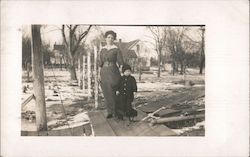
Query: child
x=126, y=88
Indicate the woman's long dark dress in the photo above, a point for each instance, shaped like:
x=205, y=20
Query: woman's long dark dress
x=110, y=76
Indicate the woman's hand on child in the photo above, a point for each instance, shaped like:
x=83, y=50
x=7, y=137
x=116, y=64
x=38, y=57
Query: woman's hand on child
x=135, y=94
x=117, y=92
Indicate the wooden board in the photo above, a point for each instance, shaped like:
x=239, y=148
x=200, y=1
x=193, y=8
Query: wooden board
x=76, y=131
x=139, y=128
x=143, y=129
x=179, y=118
x=167, y=112
x=120, y=127
x=87, y=130
x=100, y=125
x=115, y=127
x=29, y=133
x=64, y=132
x=162, y=130
x=185, y=95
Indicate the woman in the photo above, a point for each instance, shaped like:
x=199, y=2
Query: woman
x=110, y=74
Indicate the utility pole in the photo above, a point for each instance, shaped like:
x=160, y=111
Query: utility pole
x=38, y=76
x=140, y=60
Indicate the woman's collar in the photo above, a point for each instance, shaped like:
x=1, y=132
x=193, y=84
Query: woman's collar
x=111, y=47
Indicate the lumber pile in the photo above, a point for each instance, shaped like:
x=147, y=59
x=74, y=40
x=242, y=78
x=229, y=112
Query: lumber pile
x=190, y=110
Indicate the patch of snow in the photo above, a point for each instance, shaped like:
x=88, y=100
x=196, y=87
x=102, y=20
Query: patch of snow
x=30, y=106
x=81, y=117
x=153, y=86
x=75, y=121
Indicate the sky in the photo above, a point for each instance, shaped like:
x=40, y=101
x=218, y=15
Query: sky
x=52, y=34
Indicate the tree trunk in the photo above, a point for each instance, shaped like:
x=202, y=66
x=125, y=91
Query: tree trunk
x=79, y=73
x=61, y=63
x=182, y=68
x=72, y=71
x=202, y=63
x=38, y=76
x=140, y=72
x=173, y=68
x=159, y=65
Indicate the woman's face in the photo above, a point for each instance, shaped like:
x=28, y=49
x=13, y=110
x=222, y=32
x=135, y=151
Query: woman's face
x=110, y=39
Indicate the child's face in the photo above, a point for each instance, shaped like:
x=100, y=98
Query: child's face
x=127, y=72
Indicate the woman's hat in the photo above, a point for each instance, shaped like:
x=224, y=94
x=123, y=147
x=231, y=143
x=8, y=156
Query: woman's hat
x=125, y=67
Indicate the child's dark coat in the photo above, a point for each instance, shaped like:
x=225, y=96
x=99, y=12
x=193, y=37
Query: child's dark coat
x=127, y=87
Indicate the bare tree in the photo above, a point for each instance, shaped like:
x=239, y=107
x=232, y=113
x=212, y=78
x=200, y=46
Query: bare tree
x=38, y=76
x=202, y=62
x=159, y=38
x=177, y=47
x=72, y=42
x=182, y=47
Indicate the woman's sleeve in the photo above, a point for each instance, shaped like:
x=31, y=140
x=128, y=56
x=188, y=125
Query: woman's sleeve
x=100, y=60
x=120, y=58
x=118, y=87
x=134, y=85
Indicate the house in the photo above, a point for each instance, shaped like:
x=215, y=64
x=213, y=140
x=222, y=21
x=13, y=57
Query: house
x=134, y=52
x=58, y=54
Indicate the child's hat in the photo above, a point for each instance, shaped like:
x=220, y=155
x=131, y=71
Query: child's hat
x=125, y=67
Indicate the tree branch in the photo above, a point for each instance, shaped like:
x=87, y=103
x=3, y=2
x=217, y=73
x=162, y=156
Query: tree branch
x=69, y=26
x=152, y=31
x=80, y=39
x=74, y=28
x=64, y=37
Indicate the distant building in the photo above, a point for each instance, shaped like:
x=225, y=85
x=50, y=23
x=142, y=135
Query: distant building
x=132, y=52
x=58, y=54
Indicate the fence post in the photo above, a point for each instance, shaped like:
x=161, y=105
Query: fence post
x=83, y=72
x=89, y=73
x=96, y=76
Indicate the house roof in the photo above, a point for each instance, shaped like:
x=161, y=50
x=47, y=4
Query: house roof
x=62, y=48
x=59, y=47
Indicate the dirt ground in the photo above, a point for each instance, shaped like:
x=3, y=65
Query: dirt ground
x=64, y=99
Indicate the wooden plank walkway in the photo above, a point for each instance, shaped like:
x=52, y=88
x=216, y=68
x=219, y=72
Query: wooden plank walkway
x=100, y=125
x=114, y=127
x=82, y=130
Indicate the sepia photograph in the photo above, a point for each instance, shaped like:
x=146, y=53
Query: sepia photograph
x=119, y=80
x=124, y=78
